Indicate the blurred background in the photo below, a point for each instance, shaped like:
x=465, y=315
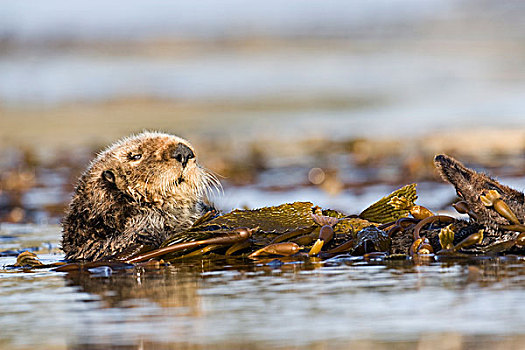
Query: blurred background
x=330, y=101
x=337, y=102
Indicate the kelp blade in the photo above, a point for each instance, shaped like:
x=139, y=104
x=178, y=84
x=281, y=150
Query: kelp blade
x=384, y=210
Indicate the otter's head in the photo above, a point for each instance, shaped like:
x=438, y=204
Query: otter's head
x=136, y=191
x=152, y=168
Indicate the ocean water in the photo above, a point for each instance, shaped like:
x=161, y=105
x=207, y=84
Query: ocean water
x=285, y=70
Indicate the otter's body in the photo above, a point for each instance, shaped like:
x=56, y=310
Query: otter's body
x=138, y=191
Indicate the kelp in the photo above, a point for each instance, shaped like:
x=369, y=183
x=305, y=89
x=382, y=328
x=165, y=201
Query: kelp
x=269, y=222
x=392, y=207
x=292, y=223
x=391, y=228
x=394, y=225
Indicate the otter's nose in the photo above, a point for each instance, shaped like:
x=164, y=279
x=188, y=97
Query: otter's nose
x=182, y=153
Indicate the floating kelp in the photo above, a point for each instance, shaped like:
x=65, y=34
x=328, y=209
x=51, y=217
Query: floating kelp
x=394, y=226
x=270, y=220
x=292, y=228
x=326, y=232
x=28, y=259
x=392, y=207
x=371, y=239
x=279, y=219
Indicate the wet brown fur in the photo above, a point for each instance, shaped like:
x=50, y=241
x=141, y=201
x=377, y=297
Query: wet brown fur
x=121, y=201
x=470, y=185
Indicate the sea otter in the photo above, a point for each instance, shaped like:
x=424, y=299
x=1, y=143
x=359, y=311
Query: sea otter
x=138, y=191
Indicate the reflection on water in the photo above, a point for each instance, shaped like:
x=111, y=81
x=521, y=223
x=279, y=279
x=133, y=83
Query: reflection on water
x=235, y=302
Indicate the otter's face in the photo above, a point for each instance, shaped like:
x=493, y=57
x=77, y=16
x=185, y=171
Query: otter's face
x=155, y=168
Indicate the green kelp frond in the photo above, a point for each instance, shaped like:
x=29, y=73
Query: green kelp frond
x=278, y=219
x=392, y=207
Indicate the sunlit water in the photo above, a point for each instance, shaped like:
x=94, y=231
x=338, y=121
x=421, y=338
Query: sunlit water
x=268, y=303
x=240, y=302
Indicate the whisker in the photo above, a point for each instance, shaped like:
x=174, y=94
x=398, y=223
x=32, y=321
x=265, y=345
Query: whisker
x=212, y=181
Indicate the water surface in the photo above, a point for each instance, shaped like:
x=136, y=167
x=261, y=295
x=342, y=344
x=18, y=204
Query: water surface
x=286, y=303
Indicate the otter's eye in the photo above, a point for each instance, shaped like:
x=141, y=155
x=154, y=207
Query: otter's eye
x=134, y=156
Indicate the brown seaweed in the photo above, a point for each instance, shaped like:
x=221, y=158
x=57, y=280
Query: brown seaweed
x=392, y=207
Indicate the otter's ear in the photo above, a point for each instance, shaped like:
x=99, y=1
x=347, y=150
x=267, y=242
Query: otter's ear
x=108, y=176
